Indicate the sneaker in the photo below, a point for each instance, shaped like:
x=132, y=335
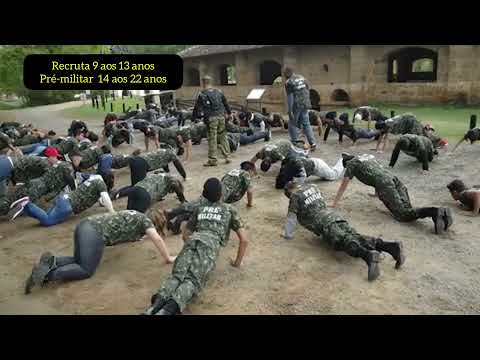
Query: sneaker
x=19, y=206
x=114, y=194
x=313, y=148
x=18, y=201
x=40, y=272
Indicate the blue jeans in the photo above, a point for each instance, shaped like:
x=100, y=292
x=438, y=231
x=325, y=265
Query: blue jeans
x=298, y=121
x=60, y=212
x=250, y=139
x=35, y=149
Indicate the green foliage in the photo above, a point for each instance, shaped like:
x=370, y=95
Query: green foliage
x=155, y=49
x=11, y=71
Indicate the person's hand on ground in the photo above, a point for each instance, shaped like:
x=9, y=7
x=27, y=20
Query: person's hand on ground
x=171, y=259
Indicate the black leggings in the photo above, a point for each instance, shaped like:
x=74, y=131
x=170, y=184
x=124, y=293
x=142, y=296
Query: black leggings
x=138, y=198
x=138, y=169
x=88, y=252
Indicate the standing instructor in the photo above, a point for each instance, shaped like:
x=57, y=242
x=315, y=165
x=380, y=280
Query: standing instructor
x=212, y=105
x=298, y=99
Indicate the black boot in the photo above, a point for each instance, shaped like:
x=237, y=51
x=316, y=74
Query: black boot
x=395, y=249
x=447, y=218
x=170, y=308
x=157, y=304
x=39, y=274
x=439, y=221
x=371, y=257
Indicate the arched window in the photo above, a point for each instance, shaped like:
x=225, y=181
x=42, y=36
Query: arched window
x=315, y=99
x=227, y=75
x=193, y=77
x=412, y=65
x=269, y=71
x=340, y=95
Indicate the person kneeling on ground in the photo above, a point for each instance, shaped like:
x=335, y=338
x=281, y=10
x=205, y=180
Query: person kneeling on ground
x=151, y=189
x=90, y=238
x=469, y=197
x=308, y=207
x=83, y=197
x=206, y=232
x=391, y=191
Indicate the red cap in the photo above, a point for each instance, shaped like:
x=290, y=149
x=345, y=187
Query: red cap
x=51, y=152
x=443, y=142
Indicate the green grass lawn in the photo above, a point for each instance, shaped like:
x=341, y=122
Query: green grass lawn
x=449, y=121
x=86, y=112
x=10, y=104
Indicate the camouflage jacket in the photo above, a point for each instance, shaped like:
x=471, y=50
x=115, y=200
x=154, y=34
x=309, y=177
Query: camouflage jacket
x=90, y=157
x=87, y=194
x=66, y=146
x=5, y=140
x=297, y=86
x=235, y=184
x=368, y=171
x=157, y=185
x=158, y=159
x=28, y=167
x=276, y=152
x=405, y=124
x=121, y=226
x=309, y=206
x=212, y=222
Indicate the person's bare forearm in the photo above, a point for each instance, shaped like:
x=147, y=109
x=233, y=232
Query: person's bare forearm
x=242, y=247
x=249, y=198
x=340, y=192
x=159, y=244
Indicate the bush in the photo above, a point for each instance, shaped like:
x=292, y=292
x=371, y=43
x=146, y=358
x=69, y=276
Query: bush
x=46, y=97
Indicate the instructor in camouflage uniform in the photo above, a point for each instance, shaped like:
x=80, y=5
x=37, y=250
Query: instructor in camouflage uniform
x=418, y=146
x=307, y=206
x=206, y=232
x=212, y=105
x=91, y=237
x=391, y=192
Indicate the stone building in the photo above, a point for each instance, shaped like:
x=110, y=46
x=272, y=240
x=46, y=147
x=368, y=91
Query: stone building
x=339, y=74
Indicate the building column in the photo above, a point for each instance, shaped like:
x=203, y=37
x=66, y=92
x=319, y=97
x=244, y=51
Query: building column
x=461, y=71
x=359, y=60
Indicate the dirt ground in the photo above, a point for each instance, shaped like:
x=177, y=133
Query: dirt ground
x=302, y=276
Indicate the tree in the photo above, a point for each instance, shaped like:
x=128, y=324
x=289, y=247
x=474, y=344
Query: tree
x=11, y=71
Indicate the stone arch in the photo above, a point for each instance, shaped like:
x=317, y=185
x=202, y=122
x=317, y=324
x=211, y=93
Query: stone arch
x=315, y=99
x=340, y=95
x=269, y=71
x=192, y=77
x=412, y=64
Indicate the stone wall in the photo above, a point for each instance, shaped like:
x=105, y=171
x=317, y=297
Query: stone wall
x=360, y=70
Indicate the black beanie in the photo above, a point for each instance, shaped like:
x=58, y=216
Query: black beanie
x=212, y=190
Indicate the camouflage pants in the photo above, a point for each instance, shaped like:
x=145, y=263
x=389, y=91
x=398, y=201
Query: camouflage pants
x=395, y=197
x=217, y=137
x=34, y=189
x=190, y=272
x=342, y=237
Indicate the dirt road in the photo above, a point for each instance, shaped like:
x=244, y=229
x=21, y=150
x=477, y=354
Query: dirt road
x=303, y=276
